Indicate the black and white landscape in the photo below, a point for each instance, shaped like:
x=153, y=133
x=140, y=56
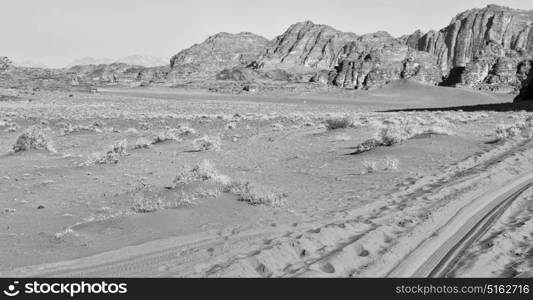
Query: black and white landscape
x=316, y=153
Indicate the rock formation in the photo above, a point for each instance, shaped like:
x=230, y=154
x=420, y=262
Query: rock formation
x=5, y=63
x=320, y=53
x=218, y=52
x=307, y=45
x=107, y=73
x=367, y=66
x=482, y=48
x=526, y=72
x=489, y=48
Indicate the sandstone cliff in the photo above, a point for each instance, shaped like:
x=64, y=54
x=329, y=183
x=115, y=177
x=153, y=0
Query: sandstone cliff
x=306, y=44
x=482, y=48
x=366, y=66
x=320, y=53
x=218, y=52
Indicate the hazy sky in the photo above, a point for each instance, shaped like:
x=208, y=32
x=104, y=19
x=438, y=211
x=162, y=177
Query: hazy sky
x=56, y=32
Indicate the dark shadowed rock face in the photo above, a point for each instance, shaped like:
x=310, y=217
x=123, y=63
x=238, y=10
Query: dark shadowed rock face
x=526, y=73
x=485, y=45
x=218, y=52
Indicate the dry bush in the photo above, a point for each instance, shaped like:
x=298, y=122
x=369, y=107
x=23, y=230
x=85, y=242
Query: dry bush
x=207, y=143
x=370, y=166
x=391, y=163
x=67, y=128
x=142, y=143
x=34, y=137
x=387, y=164
x=255, y=194
x=339, y=122
x=230, y=125
x=184, y=130
x=523, y=129
x=277, y=127
x=396, y=133
x=110, y=156
x=171, y=134
x=145, y=126
x=145, y=201
x=204, y=171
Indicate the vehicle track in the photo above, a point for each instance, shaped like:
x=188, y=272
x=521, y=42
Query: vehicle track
x=315, y=248
x=448, y=263
x=453, y=239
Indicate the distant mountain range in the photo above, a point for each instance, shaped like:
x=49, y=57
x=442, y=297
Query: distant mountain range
x=488, y=48
x=136, y=60
x=30, y=64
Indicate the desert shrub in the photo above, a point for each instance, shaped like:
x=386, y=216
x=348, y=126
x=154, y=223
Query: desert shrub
x=204, y=171
x=338, y=122
x=392, y=135
x=388, y=163
x=171, y=134
x=13, y=127
x=277, y=127
x=255, y=194
x=145, y=126
x=34, y=137
x=370, y=166
x=503, y=132
x=67, y=128
x=111, y=156
x=184, y=130
x=391, y=163
x=143, y=204
x=119, y=147
x=367, y=145
x=146, y=201
x=396, y=133
x=142, y=143
x=230, y=125
x=207, y=143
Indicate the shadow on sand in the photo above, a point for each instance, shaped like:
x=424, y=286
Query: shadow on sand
x=507, y=106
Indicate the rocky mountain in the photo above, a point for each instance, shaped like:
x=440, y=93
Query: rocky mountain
x=308, y=45
x=378, y=66
x=89, y=61
x=37, y=78
x=119, y=73
x=486, y=48
x=143, y=60
x=30, y=64
x=320, y=53
x=218, y=52
x=489, y=48
x=5, y=63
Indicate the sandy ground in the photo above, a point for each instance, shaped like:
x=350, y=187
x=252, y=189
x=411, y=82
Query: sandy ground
x=334, y=214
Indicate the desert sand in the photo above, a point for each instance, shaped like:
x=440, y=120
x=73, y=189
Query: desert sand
x=180, y=182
